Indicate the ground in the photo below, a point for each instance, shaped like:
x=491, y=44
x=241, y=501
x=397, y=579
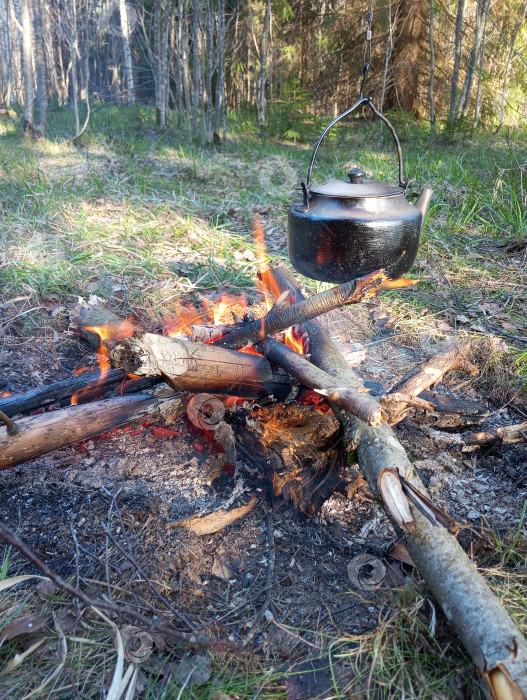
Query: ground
x=147, y=222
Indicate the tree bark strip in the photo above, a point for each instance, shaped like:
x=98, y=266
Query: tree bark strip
x=484, y=627
x=41, y=434
x=359, y=404
x=188, y=366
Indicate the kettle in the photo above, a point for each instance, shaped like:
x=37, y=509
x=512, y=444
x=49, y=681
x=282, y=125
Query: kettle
x=345, y=229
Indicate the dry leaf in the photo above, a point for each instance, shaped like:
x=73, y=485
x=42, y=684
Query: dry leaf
x=23, y=625
x=398, y=551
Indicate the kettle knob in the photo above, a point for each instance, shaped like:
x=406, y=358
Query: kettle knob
x=356, y=176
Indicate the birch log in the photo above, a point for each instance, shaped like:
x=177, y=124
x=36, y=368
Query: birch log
x=494, y=643
x=38, y=435
x=189, y=366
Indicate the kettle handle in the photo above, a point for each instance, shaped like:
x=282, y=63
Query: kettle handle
x=403, y=181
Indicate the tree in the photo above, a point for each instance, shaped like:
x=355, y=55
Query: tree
x=128, y=70
x=42, y=76
x=27, y=68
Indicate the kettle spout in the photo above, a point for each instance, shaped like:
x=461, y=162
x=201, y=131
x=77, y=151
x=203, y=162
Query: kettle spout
x=423, y=203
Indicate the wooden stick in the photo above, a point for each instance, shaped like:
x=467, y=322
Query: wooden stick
x=488, y=633
x=189, y=366
x=471, y=440
x=451, y=358
x=360, y=404
x=38, y=435
x=282, y=317
x=62, y=391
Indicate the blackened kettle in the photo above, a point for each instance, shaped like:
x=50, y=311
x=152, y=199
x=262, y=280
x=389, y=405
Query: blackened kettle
x=345, y=229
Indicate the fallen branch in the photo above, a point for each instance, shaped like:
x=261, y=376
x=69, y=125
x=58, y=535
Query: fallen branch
x=360, y=404
x=471, y=440
x=452, y=358
x=488, y=633
x=189, y=366
x=38, y=435
x=284, y=316
x=124, y=611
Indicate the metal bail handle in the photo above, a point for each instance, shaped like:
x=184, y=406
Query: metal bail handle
x=403, y=181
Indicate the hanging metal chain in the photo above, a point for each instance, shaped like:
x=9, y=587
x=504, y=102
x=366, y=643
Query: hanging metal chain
x=367, y=50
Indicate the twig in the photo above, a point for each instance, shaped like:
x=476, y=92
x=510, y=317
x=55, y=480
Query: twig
x=123, y=610
x=268, y=581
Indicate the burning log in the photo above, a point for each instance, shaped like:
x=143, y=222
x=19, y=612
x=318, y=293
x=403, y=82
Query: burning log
x=189, y=366
x=452, y=358
x=38, y=435
x=284, y=316
x=359, y=404
x=87, y=317
x=495, y=644
x=90, y=383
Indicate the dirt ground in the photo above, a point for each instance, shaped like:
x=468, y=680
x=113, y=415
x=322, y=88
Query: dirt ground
x=60, y=503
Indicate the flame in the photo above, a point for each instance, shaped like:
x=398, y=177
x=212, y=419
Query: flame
x=228, y=304
x=259, y=244
x=292, y=341
x=186, y=315
x=216, y=313
x=109, y=331
x=5, y=393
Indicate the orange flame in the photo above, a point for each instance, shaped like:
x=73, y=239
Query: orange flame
x=259, y=244
x=5, y=393
x=109, y=331
x=186, y=316
x=292, y=341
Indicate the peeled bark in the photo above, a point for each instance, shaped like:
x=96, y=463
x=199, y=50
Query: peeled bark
x=188, y=366
x=488, y=633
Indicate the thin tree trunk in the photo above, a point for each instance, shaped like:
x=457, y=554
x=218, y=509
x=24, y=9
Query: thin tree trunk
x=389, y=51
x=185, y=72
x=481, y=64
x=27, y=67
x=220, y=78
x=209, y=37
x=464, y=101
x=432, y=65
x=127, y=54
x=40, y=64
x=73, y=56
x=6, y=43
x=263, y=67
x=195, y=68
x=457, y=59
x=508, y=65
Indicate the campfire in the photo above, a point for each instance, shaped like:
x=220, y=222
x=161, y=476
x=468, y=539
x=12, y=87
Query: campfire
x=270, y=389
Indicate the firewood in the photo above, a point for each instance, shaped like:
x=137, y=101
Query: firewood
x=62, y=391
x=360, y=404
x=38, y=435
x=495, y=644
x=451, y=358
x=281, y=317
x=95, y=314
x=189, y=366
x=471, y=440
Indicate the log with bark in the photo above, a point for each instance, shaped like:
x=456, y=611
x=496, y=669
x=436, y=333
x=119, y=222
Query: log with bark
x=38, y=435
x=189, y=366
x=286, y=315
x=495, y=644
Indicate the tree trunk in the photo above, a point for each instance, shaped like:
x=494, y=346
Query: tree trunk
x=477, y=106
x=263, y=67
x=209, y=44
x=220, y=77
x=127, y=54
x=5, y=95
x=27, y=67
x=74, y=50
x=466, y=92
x=40, y=64
x=508, y=65
x=408, y=58
x=195, y=68
x=457, y=59
x=432, y=65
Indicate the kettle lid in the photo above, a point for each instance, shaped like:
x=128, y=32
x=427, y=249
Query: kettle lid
x=358, y=186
